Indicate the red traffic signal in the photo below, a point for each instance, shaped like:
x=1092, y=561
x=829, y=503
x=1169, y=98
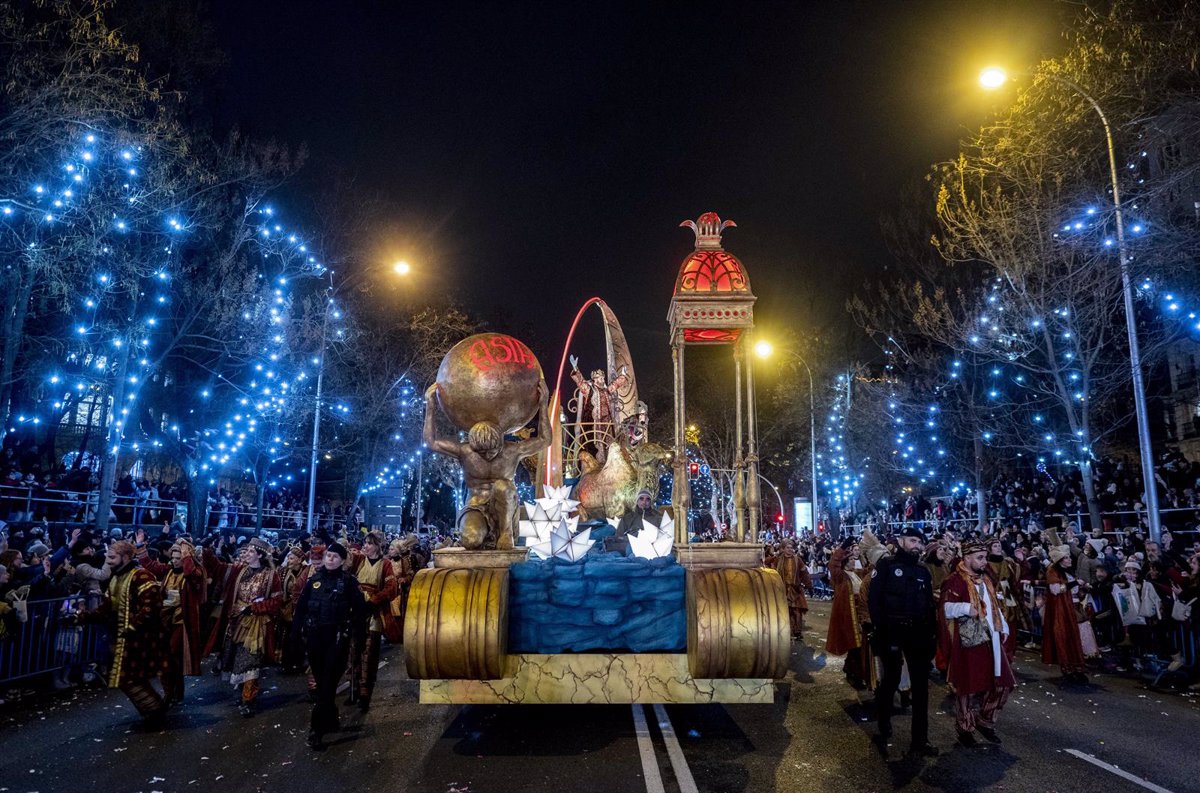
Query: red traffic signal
x=779, y=518
x=694, y=469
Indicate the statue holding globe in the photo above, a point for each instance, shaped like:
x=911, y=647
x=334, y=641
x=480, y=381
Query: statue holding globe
x=489, y=385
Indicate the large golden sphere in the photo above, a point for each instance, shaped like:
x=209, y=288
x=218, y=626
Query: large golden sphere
x=489, y=377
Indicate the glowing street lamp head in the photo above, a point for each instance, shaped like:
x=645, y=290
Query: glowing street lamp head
x=993, y=77
x=402, y=268
x=763, y=348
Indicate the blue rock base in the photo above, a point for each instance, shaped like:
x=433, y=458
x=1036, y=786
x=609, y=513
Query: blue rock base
x=607, y=602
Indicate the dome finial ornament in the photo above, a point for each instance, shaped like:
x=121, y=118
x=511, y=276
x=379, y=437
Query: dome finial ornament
x=708, y=228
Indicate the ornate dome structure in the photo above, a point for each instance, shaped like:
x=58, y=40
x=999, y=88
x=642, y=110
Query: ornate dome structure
x=712, y=302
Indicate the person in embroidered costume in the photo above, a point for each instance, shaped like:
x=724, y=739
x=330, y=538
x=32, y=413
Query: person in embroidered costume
x=794, y=572
x=292, y=575
x=131, y=608
x=1006, y=576
x=245, y=632
x=377, y=580
x=976, y=635
x=1060, y=628
x=184, y=593
x=845, y=636
x=405, y=563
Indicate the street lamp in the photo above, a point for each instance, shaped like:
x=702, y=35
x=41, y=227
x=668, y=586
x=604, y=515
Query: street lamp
x=994, y=77
x=401, y=268
x=764, y=349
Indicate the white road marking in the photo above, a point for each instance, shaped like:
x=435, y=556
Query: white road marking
x=654, y=783
x=1112, y=769
x=683, y=774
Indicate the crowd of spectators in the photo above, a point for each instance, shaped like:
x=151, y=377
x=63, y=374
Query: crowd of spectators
x=1136, y=600
x=1053, y=496
x=45, y=575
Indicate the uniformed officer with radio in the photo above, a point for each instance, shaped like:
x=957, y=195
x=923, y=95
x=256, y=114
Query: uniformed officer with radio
x=330, y=614
x=903, y=629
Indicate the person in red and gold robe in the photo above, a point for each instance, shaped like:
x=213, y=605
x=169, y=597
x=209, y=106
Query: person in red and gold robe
x=405, y=564
x=1060, y=628
x=975, y=635
x=245, y=632
x=845, y=637
x=131, y=610
x=1006, y=576
x=377, y=580
x=794, y=572
x=293, y=574
x=183, y=583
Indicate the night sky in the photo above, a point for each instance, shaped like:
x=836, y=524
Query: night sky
x=542, y=153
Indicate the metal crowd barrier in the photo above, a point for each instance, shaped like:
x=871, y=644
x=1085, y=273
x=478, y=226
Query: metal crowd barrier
x=1047, y=521
x=44, y=644
x=72, y=507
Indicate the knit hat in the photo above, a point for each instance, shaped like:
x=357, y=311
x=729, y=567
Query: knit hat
x=37, y=548
x=911, y=531
x=643, y=492
x=339, y=549
x=1056, y=550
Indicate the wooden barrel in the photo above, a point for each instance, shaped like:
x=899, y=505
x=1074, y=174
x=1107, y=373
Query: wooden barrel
x=737, y=623
x=456, y=627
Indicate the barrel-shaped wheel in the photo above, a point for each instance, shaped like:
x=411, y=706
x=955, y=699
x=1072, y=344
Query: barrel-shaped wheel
x=456, y=626
x=737, y=623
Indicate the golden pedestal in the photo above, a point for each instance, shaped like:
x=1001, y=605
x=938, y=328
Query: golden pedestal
x=705, y=555
x=464, y=557
x=596, y=679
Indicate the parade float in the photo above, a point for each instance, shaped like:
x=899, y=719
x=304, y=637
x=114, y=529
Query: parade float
x=539, y=605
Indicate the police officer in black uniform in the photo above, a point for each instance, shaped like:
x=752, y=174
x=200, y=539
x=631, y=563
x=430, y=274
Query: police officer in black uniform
x=903, y=628
x=330, y=614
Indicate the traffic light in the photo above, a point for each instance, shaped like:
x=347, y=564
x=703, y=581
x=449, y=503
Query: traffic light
x=779, y=518
x=694, y=469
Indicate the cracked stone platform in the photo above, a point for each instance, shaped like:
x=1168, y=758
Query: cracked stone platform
x=597, y=679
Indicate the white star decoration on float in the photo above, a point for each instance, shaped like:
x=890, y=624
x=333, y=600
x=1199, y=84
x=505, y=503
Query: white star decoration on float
x=551, y=529
x=653, y=541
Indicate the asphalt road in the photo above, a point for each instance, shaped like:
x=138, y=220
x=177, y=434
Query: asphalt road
x=817, y=736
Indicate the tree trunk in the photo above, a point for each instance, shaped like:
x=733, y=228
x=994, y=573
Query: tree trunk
x=14, y=329
x=197, y=501
x=87, y=436
x=1089, y=492
x=112, y=444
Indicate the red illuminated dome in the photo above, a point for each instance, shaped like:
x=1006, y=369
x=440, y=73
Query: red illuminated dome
x=712, y=302
x=710, y=268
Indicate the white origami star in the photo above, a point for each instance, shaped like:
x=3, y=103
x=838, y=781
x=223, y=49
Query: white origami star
x=653, y=541
x=546, y=512
x=564, y=543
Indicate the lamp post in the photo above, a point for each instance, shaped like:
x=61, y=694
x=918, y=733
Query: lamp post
x=316, y=434
x=764, y=350
x=994, y=77
x=400, y=268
